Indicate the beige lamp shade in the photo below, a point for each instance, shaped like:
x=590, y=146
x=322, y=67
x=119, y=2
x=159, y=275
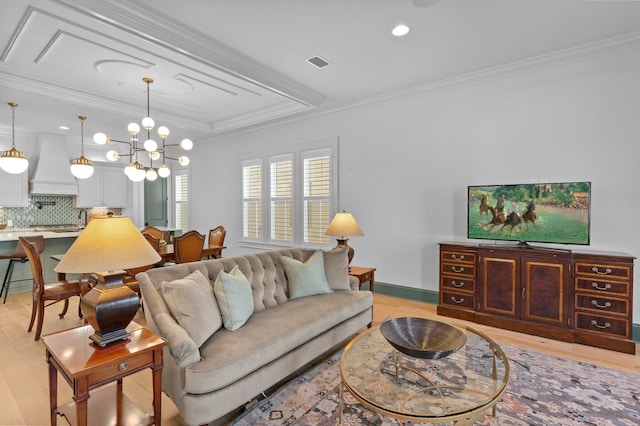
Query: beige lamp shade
x=108, y=243
x=344, y=225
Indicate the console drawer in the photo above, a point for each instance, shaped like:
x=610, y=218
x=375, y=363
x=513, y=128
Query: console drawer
x=457, y=299
x=603, y=324
x=457, y=256
x=468, y=270
x=603, y=270
x=620, y=288
x=463, y=284
x=602, y=304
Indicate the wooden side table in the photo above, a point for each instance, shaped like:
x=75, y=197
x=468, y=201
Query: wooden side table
x=86, y=366
x=364, y=275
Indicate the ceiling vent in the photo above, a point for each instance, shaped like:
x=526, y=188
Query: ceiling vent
x=318, y=62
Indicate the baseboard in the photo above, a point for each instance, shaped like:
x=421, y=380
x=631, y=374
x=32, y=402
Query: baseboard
x=432, y=297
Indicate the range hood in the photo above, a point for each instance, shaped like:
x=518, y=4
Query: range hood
x=52, y=173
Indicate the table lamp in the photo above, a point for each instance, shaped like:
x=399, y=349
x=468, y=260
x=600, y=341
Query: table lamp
x=344, y=225
x=107, y=246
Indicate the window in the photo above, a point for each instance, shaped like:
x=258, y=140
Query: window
x=182, y=198
x=288, y=198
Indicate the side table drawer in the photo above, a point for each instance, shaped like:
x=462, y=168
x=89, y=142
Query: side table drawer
x=465, y=284
x=115, y=368
x=457, y=299
x=602, y=304
x=457, y=256
x=603, y=324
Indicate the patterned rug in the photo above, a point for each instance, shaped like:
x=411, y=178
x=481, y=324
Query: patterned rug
x=542, y=390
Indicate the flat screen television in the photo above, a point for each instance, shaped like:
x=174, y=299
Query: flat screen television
x=558, y=213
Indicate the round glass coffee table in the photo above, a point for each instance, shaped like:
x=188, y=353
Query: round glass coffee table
x=459, y=386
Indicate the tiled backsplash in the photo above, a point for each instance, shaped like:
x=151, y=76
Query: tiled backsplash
x=48, y=210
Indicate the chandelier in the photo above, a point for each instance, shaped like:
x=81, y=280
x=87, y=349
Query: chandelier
x=135, y=170
x=13, y=161
x=81, y=167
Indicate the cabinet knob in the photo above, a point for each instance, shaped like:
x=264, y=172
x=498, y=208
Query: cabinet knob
x=606, y=305
x=123, y=366
x=597, y=286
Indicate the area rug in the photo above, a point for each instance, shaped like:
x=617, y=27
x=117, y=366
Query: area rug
x=542, y=390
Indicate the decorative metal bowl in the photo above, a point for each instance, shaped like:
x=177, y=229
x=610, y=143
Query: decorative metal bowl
x=423, y=338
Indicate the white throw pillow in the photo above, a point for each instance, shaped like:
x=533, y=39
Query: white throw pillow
x=192, y=304
x=336, y=268
x=306, y=279
x=235, y=300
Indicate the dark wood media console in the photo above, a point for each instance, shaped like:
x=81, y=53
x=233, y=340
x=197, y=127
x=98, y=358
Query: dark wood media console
x=572, y=296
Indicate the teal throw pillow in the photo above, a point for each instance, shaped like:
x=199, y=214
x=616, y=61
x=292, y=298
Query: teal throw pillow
x=235, y=300
x=306, y=279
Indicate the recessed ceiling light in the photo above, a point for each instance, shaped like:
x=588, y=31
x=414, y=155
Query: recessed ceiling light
x=63, y=128
x=400, y=30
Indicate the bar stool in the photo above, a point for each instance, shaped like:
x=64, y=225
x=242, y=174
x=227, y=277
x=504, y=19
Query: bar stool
x=19, y=255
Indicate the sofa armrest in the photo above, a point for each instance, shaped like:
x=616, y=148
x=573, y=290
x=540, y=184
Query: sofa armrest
x=181, y=346
x=354, y=283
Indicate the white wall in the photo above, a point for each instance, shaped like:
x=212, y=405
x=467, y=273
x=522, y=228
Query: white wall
x=405, y=163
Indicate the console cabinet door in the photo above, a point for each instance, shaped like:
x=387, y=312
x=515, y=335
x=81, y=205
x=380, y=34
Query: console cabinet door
x=499, y=277
x=546, y=291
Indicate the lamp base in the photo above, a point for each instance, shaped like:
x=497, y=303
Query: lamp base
x=109, y=308
x=343, y=243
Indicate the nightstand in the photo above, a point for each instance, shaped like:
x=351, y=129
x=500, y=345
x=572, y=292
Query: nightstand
x=363, y=275
x=86, y=366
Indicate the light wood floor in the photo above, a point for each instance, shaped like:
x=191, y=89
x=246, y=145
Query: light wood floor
x=24, y=393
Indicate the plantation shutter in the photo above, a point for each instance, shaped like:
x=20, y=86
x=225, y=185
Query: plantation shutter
x=281, y=197
x=182, y=199
x=252, y=199
x=316, y=195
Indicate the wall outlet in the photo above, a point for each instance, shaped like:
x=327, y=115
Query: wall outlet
x=9, y=222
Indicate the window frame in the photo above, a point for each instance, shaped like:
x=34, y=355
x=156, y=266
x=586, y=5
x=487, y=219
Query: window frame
x=173, y=176
x=298, y=152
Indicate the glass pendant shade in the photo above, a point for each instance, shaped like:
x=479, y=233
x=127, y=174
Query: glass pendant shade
x=163, y=131
x=13, y=161
x=164, y=171
x=152, y=174
x=129, y=169
x=183, y=160
x=148, y=123
x=133, y=129
x=113, y=156
x=155, y=155
x=150, y=145
x=81, y=168
x=138, y=173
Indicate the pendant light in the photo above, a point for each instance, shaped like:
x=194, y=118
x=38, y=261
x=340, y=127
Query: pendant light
x=81, y=167
x=13, y=161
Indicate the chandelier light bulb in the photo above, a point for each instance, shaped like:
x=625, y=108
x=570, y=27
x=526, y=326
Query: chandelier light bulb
x=155, y=155
x=138, y=174
x=183, y=160
x=148, y=123
x=186, y=144
x=129, y=169
x=152, y=174
x=113, y=156
x=100, y=138
x=133, y=129
x=164, y=171
x=150, y=145
x=163, y=131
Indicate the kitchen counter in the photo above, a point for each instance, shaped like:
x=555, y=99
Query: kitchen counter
x=13, y=234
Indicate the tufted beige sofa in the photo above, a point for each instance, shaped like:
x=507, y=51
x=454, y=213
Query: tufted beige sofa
x=281, y=336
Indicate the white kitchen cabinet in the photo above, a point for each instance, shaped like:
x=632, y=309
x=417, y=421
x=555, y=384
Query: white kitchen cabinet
x=106, y=188
x=15, y=191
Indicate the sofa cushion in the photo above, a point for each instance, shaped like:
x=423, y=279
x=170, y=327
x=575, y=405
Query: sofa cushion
x=191, y=302
x=336, y=268
x=268, y=335
x=233, y=293
x=308, y=278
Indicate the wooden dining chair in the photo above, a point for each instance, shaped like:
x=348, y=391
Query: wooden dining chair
x=52, y=292
x=152, y=230
x=17, y=256
x=154, y=241
x=188, y=246
x=216, y=238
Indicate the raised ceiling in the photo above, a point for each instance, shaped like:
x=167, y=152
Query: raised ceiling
x=221, y=66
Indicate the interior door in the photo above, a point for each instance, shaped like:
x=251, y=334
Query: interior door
x=155, y=202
